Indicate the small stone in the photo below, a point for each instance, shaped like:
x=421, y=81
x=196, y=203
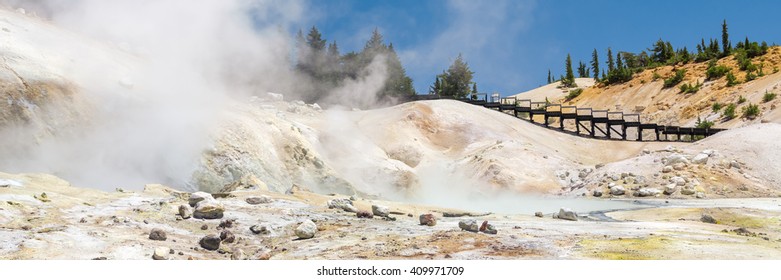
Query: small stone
x=667, y=169
x=705, y=218
x=259, y=229
x=204, y=227
x=687, y=191
x=676, y=158
x=644, y=192
x=344, y=204
x=380, y=210
x=255, y=200
x=364, y=214
x=428, y=219
x=237, y=255
x=538, y=214
x=597, y=193
x=734, y=164
x=210, y=242
x=679, y=166
x=468, y=225
x=227, y=223
x=185, y=212
x=227, y=236
x=680, y=181
x=611, y=184
x=161, y=253
x=699, y=194
x=207, y=209
x=567, y=214
x=306, y=229
x=198, y=197
x=700, y=159
x=157, y=234
x=617, y=190
x=670, y=189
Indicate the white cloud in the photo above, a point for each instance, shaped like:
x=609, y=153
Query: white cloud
x=485, y=32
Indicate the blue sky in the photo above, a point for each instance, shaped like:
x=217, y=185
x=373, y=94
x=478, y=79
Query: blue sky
x=510, y=45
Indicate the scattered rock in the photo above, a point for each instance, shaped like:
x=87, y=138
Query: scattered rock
x=680, y=181
x=210, y=242
x=487, y=228
x=198, y=197
x=364, y=214
x=567, y=214
x=707, y=219
x=670, y=189
x=161, y=253
x=667, y=169
x=227, y=236
x=597, y=193
x=615, y=177
x=306, y=230
x=617, y=190
x=679, y=166
x=428, y=219
x=254, y=200
x=208, y=209
x=158, y=234
x=185, y=212
x=611, y=184
x=468, y=225
x=699, y=195
x=380, y=210
x=734, y=164
x=700, y=159
x=644, y=192
x=676, y=158
x=342, y=203
x=258, y=229
x=237, y=254
x=744, y=232
x=687, y=190
x=538, y=214
x=204, y=227
x=226, y=223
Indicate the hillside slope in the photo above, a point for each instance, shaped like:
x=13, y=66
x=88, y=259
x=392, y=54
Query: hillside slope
x=668, y=106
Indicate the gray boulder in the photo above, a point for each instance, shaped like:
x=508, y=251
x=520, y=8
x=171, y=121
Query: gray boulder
x=428, y=219
x=597, y=193
x=379, y=210
x=254, y=200
x=469, y=225
x=208, y=209
x=210, y=242
x=157, y=234
x=567, y=214
x=185, y=212
x=700, y=159
x=306, y=230
x=617, y=190
x=342, y=203
x=670, y=189
x=161, y=253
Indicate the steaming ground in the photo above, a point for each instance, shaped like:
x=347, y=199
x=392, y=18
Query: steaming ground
x=89, y=126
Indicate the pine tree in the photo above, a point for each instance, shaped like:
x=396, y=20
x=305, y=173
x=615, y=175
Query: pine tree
x=398, y=83
x=610, y=64
x=474, y=89
x=569, y=79
x=314, y=40
x=725, y=43
x=457, y=78
x=436, y=87
x=550, y=79
x=595, y=64
x=582, y=72
x=619, y=64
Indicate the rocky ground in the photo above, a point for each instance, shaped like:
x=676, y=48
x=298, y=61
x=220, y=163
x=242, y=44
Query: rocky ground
x=43, y=217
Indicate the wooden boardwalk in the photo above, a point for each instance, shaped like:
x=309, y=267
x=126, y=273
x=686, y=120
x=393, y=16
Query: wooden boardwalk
x=600, y=124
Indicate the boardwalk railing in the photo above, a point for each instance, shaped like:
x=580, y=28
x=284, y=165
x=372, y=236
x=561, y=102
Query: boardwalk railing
x=588, y=120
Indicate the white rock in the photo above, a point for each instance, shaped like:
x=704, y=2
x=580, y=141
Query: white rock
x=734, y=164
x=687, y=191
x=342, y=203
x=709, y=152
x=679, y=166
x=306, y=230
x=700, y=159
x=611, y=184
x=699, y=195
x=670, y=189
x=676, y=158
x=680, y=181
x=643, y=192
x=161, y=253
x=379, y=210
x=198, y=197
x=617, y=190
x=567, y=214
x=667, y=169
x=6, y=183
